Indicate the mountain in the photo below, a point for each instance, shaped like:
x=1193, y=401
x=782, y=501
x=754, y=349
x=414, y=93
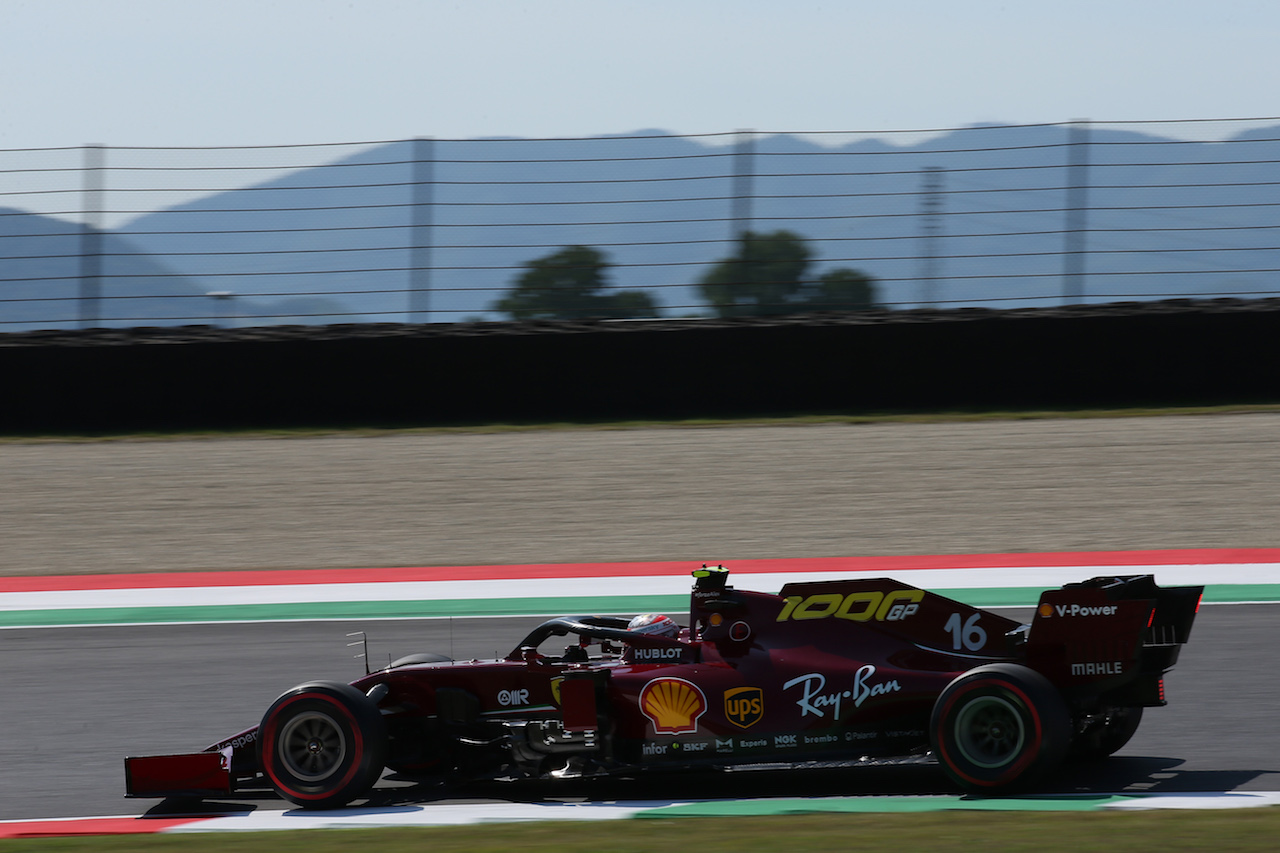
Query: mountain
x=40, y=274
x=974, y=216
x=41, y=271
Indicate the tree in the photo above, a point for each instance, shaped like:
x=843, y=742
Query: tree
x=567, y=285
x=762, y=278
x=841, y=289
x=767, y=277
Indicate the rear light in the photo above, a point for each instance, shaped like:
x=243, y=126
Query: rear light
x=1162, y=699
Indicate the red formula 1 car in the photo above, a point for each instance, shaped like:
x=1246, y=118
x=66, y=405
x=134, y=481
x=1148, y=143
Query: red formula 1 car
x=821, y=674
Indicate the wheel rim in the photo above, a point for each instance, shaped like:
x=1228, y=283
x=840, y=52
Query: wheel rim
x=989, y=731
x=312, y=746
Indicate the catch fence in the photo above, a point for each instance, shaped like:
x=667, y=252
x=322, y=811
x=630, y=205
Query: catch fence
x=443, y=230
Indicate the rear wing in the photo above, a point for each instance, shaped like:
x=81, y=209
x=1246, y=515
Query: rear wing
x=1113, y=637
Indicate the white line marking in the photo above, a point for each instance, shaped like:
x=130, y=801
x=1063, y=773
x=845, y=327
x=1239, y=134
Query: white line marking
x=1027, y=577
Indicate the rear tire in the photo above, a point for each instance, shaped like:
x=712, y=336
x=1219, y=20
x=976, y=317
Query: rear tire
x=998, y=728
x=322, y=744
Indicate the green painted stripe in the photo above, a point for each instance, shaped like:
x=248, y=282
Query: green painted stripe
x=994, y=596
x=759, y=807
x=340, y=610
x=355, y=610
x=1236, y=593
x=1030, y=596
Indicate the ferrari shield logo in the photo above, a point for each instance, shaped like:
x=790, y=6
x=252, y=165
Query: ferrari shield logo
x=744, y=706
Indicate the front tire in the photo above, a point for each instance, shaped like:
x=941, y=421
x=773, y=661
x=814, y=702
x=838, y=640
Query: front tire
x=998, y=728
x=322, y=744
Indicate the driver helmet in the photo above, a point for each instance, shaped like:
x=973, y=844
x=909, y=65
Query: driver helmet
x=654, y=623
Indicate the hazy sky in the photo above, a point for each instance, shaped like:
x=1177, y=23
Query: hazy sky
x=261, y=72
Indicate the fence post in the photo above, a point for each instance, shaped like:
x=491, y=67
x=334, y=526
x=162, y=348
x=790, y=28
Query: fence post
x=420, y=230
x=743, y=179
x=91, y=236
x=930, y=227
x=1077, y=213
x=740, y=210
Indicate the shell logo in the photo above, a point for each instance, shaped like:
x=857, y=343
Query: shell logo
x=1046, y=610
x=673, y=705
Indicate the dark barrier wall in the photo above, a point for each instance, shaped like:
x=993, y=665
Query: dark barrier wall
x=1172, y=353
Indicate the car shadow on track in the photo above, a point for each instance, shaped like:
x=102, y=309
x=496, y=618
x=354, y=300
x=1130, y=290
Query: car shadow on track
x=1129, y=775
x=395, y=792
x=695, y=785
x=1147, y=774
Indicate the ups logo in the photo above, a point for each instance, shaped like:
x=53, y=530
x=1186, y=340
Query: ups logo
x=744, y=706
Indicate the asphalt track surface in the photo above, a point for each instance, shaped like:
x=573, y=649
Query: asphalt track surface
x=75, y=701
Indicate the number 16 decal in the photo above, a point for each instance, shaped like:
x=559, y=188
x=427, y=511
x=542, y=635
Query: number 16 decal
x=968, y=636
